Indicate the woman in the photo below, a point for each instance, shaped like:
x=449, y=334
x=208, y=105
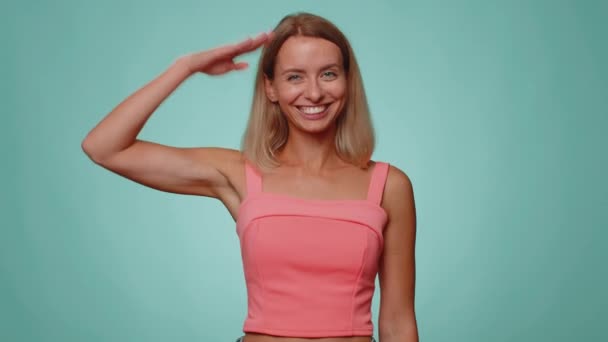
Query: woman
x=316, y=218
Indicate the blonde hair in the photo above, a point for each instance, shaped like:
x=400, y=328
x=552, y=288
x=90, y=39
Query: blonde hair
x=267, y=128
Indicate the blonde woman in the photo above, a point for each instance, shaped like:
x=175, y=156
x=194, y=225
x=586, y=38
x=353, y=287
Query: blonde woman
x=317, y=219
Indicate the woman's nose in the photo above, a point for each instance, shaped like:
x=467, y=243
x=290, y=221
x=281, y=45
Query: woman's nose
x=313, y=91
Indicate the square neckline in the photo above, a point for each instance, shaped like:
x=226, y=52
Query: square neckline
x=373, y=200
x=263, y=193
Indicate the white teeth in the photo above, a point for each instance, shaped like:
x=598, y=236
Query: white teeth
x=312, y=110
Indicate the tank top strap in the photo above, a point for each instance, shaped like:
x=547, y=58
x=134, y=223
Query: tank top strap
x=378, y=180
x=252, y=178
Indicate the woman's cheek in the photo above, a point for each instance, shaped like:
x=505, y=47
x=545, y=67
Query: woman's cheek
x=290, y=94
x=339, y=89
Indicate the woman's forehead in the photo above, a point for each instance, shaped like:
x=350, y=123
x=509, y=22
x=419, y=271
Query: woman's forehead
x=301, y=52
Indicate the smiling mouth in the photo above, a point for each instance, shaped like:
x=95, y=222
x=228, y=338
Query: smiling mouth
x=313, y=110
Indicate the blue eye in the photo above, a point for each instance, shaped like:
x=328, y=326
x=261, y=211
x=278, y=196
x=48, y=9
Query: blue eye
x=293, y=77
x=330, y=74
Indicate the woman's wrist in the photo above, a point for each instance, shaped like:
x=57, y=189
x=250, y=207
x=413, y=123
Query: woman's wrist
x=182, y=66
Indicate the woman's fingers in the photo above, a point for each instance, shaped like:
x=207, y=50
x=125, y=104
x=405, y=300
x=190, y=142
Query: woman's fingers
x=270, y=38
x=243, y=46
x=251, y=44
x=259, y=40
x=247, y=45
x=220, y=59
x=240, y=65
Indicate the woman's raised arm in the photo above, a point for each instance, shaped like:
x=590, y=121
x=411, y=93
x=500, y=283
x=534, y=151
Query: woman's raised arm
x=113, y=142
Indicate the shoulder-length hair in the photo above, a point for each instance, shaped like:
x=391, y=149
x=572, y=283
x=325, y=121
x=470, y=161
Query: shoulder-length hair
x=267, y=128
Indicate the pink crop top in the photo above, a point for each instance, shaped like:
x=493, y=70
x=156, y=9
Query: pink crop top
x=310, y=265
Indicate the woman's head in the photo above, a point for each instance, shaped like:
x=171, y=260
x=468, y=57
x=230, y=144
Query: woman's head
x=308, y=82
x=308, y=79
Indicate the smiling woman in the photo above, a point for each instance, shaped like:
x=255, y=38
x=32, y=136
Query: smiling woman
x=310, y=84
x=309, y=73
x=317, y=219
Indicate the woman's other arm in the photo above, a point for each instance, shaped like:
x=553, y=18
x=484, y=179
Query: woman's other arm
x=397, y=317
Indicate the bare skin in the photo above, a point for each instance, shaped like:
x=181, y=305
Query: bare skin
x=310, y=166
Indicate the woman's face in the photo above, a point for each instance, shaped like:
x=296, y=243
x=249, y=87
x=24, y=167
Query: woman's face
x=309, y=83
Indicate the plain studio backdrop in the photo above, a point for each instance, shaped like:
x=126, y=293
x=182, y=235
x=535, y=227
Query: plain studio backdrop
x=497, y=110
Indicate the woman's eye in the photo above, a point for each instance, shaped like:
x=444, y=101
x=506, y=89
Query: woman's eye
x=329, y=74
x=293, y=77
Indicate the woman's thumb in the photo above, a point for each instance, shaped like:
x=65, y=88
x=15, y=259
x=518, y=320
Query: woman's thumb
x=240, y=65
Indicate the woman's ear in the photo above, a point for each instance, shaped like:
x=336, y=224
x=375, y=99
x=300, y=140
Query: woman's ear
x=270, y=92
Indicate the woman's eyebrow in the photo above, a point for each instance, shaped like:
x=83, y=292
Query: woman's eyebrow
x=331, y=65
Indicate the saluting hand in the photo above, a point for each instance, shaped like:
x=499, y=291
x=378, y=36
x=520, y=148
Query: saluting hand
x=220, y=60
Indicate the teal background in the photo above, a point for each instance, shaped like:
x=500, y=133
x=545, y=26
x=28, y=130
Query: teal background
x=497, y=110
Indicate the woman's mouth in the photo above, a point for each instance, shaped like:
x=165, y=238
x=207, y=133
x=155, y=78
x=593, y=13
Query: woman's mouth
x=313, y=112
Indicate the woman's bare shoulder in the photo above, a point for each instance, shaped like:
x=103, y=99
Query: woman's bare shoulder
x=398, y=190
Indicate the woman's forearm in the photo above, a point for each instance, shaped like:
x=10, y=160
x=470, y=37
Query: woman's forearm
x=405, y=331
x=119, y=129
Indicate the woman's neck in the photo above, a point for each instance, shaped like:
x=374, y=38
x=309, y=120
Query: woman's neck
x=313, y=152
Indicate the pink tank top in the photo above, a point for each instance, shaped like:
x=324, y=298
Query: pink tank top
x=310, y=265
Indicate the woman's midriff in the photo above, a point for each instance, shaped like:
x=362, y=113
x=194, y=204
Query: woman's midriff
x=253, y=337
